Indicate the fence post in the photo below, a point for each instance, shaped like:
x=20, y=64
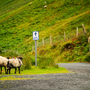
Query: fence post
x=50, y=40
x=84, y=31
x=77, y=32
x=89, y=43
x=43, y=41
x=32, y=48
x=64, y=36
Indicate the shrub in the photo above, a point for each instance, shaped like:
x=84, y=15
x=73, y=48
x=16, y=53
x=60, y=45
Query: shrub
x=26, y=62
x=33, y=60
x=54, y=46
x=86, y=49
x=11, y=53
x=67, y=46
x=44, y=62
x=87, y=57
x=82, y=40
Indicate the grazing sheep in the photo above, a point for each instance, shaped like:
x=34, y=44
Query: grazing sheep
x=3, y=62
x=45, y=6
x=14, y=63
x=30, y=2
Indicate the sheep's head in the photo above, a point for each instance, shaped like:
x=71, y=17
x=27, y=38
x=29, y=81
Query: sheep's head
x=7, y=57
x=21, y=58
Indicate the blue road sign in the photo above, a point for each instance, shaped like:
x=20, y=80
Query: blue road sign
x=35, y=35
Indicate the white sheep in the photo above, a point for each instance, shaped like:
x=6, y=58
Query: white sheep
x=3, y=62
x=14, y=63
x=45, y=6
x=30, y=2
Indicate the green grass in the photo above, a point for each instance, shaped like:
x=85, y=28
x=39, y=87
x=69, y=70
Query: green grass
x=13, y=78
x=34, y=71
x=49, y=70
x=37, y=70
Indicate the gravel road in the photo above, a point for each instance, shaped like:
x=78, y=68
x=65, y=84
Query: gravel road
x=79, y=80
x=77, y=67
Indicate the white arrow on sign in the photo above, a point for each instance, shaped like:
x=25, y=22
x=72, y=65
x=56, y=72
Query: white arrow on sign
x=35, y=35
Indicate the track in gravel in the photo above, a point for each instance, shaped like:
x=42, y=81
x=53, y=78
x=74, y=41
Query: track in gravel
x=79, y=80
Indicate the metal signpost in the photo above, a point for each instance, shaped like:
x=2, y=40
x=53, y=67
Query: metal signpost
x=36, y=37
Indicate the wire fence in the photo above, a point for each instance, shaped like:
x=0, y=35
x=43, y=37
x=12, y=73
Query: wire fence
x=60, y=38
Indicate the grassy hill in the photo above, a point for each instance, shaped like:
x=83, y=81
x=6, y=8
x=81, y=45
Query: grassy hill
x=19, y=18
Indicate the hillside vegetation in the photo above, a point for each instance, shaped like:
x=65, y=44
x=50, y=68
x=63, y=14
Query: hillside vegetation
x=19, y=18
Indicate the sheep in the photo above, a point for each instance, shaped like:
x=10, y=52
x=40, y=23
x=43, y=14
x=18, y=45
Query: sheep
x=3, y=62
x=45, y=6
x=30, y=2
x=14, y=63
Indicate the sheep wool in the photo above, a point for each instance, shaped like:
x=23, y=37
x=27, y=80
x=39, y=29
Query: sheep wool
x=15, y=62
x=3, y=61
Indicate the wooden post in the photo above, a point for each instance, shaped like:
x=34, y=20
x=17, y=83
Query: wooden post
x=50, y=40
x=43, y=41
x=32, y=48
x=64, y=36
x=77, y=32
x=89, y=43
x=84, y=31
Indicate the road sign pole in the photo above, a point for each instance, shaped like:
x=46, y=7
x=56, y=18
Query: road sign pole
x=36, y=53
x=36, y=37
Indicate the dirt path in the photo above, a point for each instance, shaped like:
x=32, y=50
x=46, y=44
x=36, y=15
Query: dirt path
x=79, y=80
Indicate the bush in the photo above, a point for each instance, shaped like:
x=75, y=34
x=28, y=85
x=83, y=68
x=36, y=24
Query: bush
x=26, y=63
x=44, y=62
x=33, y=60
x=87, y=57
x=10, y=53
x=67, y=46
x=86, y=49
x=82, y=40
x=54, y=46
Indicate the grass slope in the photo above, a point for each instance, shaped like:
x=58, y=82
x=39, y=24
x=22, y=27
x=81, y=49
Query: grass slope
x=19, y=18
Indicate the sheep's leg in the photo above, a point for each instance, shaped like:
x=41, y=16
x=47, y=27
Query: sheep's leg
x=15, y=70
x=9, y=70
x=19, y=69
x=5, y=70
